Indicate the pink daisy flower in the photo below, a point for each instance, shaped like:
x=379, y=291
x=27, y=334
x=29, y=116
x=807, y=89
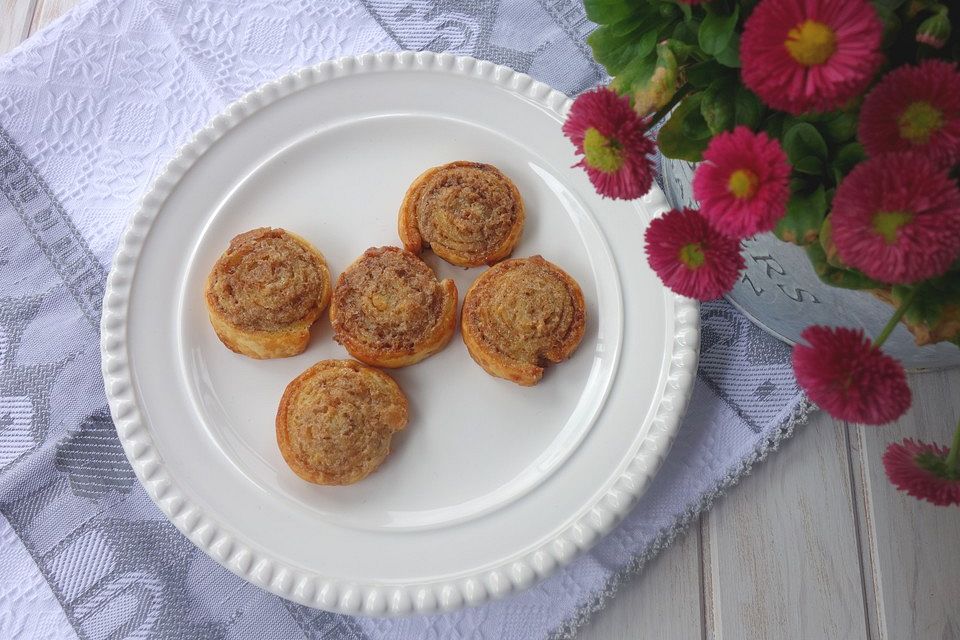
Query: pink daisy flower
x=921, y=470
x=691, y=257
x=613, y=141
x=840, y=370
x=915, y=108
x=743, y=185
x=810, y=55
x=897, y=218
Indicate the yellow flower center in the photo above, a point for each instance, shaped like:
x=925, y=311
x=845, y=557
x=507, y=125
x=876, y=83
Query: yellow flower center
x=743, y=183
x=691, y=255
x=919, y=121
x=601, y=152
x=889, y=223
x=811, y=43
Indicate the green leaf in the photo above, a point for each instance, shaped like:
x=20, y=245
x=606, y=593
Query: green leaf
x=843, y=278
x=805, y=213
x=748, y=110
x=668, y=9
x=841, y=128
x=892, y=26
x=730, y=56
x=615, y=52
x=686, y=32
x=789, y=121
x=695, y=126
x=681, y=50
x=702, y=74
x=805, y=147
x=607, y=11
x=829, y=246
x=848, y=156
x=717, y=106
x=935, y=313
x=809, y=165
x=773, y=124
x=716, y=31
x=889, y=5
x=615, y=49
x=671, y=139
x=635, y=74
x=629, y=27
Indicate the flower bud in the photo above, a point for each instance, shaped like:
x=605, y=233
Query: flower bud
x=935, y=30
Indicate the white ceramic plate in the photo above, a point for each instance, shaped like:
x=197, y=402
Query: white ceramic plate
x=492, y=485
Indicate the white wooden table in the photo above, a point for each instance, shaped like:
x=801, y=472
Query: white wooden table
x=815, y=544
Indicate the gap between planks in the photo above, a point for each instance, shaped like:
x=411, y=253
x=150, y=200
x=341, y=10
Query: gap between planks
x=909, y=550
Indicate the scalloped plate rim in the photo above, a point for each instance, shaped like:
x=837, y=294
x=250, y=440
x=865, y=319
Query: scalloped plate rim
x=216, y=540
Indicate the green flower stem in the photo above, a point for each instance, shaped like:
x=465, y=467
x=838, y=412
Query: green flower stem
x=895, y=318
x=680, y=94
x=953, y=458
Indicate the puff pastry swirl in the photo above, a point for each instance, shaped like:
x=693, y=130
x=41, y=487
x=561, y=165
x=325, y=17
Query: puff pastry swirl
x=336, y=419
x=265, y=291
x=468, y=213
x=389, y=309
x=519, y=315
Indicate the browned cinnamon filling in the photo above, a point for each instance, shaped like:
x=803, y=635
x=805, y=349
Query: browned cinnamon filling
x=388, y=299
x=266, y=280
x=469, y=210
x=339, y=421
x=525, y=310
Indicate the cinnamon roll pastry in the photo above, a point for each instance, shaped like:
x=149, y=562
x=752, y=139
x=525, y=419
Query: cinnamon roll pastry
x=265, y=291
x=519, y=315
x=336, y=420
x=389, y=309
x=469, y=213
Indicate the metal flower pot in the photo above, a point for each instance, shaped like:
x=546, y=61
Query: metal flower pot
x=780, y=293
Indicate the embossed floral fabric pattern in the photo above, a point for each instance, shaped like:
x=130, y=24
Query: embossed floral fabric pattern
x=90, y=110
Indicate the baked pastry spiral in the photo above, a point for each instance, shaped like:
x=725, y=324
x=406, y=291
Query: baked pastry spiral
x=469, y=213
x=519, y=315
x=389, y=309
x=265, y=291
x=336, y=419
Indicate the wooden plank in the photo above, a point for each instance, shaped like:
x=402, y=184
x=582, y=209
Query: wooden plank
x=663, y=602
x=910, y=548
x=15, y=17
x=783, y=548
x=47, y=11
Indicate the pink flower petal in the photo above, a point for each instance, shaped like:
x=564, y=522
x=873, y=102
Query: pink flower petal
x=906, y=474
x=935, y=82
x=763, y=158
x=783, y=83
x=925, y=246
x=841, y=371
x=722, y=262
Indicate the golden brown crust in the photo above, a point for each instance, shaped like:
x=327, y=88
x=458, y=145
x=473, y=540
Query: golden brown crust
x=265, y=291
x=519, y=315
x=468, y=213
x=389, y=309
x=336, y=419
